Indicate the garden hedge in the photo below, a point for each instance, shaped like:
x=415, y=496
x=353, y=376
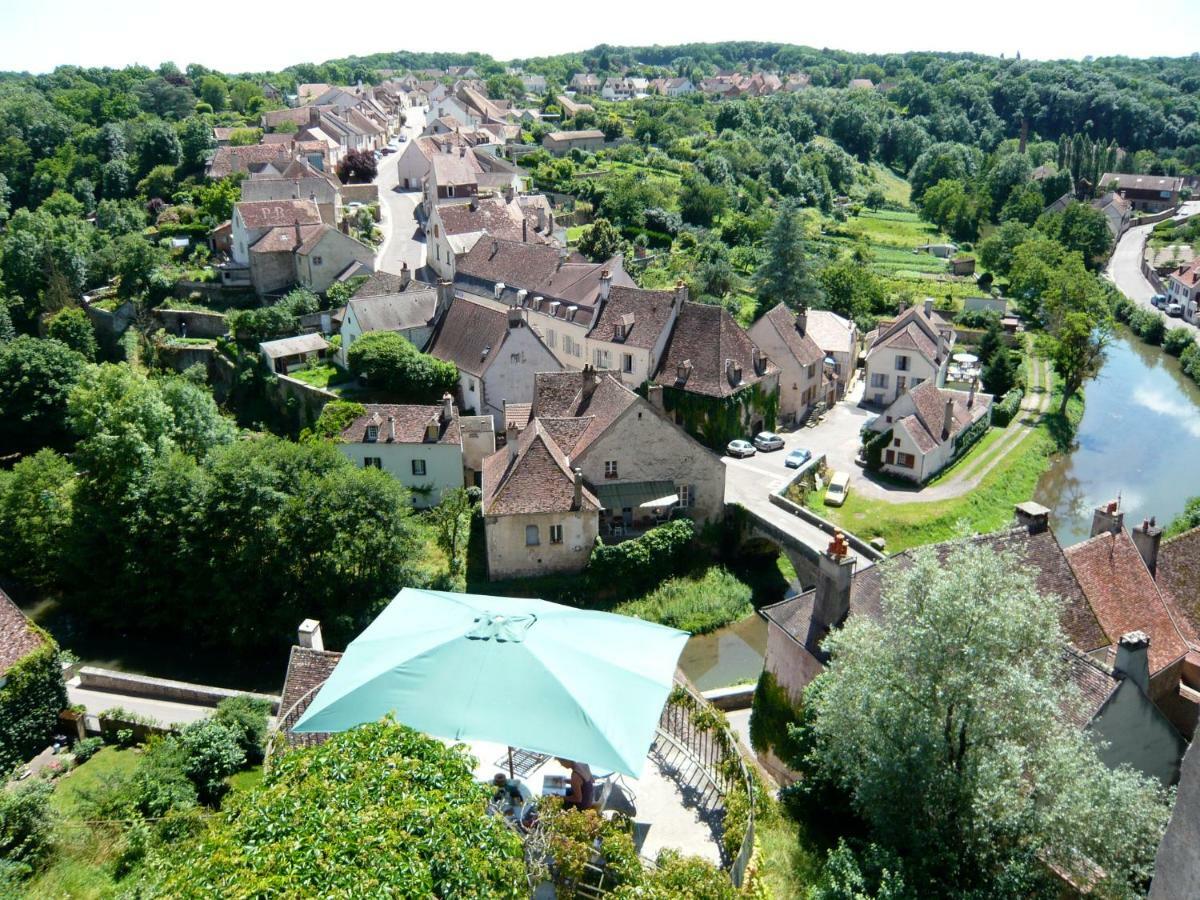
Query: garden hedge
x=30, y=702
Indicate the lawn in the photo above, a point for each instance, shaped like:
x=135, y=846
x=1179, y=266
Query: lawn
x=895, y=189
x=792, y=853
x=322, y=375
x=986, y=508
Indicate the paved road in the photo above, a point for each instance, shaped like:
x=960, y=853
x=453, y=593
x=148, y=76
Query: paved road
x=399, y=224
x=1125, y=265
x=162, y=711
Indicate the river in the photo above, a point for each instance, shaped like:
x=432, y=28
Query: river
x=1140, y=427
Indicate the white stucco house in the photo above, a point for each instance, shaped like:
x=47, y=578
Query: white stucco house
x=906, y=352
x=1183, y=287
x=804, y=379
x=926, y=424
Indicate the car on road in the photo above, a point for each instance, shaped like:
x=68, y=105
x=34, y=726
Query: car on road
x=1158, y=301
x=796, y=458
x=767, y=441
x=839, y=487
x=740, y=448
x=387, y=150
x=1174, y=310
x=403, y=137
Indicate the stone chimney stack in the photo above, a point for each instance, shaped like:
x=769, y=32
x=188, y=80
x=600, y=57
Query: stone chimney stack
x=756, y=360
x=309, y=635
x=1133, y=659
x=928, y=307
x=589, y=382
x=1147, y=537
x=510, y=439
x=577, y=500
x=1032, y=516
x=445, y=296
x=447, y=408
x=562, y=256
x=802, y=320
x=1107, y=517
x=835, y=571
x=524, y=230
x=541, y=218
x=681, y=292
x=405, y=276
x=654, y=393
x=391, y=429
x=605, y=283
x=948, y=419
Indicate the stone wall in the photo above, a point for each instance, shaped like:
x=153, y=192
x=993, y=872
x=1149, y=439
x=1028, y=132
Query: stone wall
x=97, y=679
x=199, y=324
x=360, y=193
x=183, y=357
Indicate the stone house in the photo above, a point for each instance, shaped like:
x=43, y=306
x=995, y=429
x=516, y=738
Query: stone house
x=716, y=382
x=1105, y=588
x=803, y=380
x=585, y=83
x=496, y=353
x=455, y=227
x=420, y=446
x=1183, y=287
x=326, y=255
x=560, y=143
x=1146, y=193
x=640, y=465
x=838, y=339
x=913, y=348
x=572, y=108
x=538, y=515
x=452, y=175
x=288, y=354
x=299, y=181
x=929, y=426
x=387, y=302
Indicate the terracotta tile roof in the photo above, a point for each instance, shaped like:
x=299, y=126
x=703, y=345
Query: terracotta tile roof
x=1124, y=597
x=539, y=269
x=560, y=396
x=307, y=670
x=567, y=433
x=912, y=330
x=284, y=239
x=227, y=160
x=803, y=348
x=1178, y=574
x=633, y=317
x=18, y=638
x=517, y=414
x=273, y=213
x=381, y=283
x=930, y=401
x=703, y=339
x=469, y=335
x=1188, y=275
x=537, y=480
x=492, y=215
x=411, y=421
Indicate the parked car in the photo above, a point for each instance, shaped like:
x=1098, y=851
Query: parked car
x=1158, y=301
x=740, y=448
x=403, y=137
x=839, y=487
x=1174, y=310
x=767, y=441
x=796, y=458
x=386, y=151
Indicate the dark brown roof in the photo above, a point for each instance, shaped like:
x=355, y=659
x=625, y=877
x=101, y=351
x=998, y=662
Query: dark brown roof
x=307, y=670
x=228, y=160
x=803, y=348
x=703, y=339
x=273, y=213
x=493, y=215
x=559, y=397
x=18, y=637
x=537, y=480
x=633, y=317
x=411, y=422
x=1124, y=597
x=283, y=239
x=538, y=269
x=469, y=335
x=1178, y=573
x=912, y=330
x=1095, y=685
x=930, y=401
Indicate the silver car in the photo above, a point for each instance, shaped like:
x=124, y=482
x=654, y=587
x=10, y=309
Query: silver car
x=767, y=441
x=740, y=448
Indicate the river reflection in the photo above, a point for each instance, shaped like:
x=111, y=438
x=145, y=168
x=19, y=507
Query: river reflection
x=1139, y=435
x=730, y=655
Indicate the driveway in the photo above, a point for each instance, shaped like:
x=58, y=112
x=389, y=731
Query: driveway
x=1125, y=265
x=399, y=224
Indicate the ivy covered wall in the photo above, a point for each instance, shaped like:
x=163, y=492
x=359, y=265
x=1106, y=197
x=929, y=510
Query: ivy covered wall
x=715, y=421
x=30, y=702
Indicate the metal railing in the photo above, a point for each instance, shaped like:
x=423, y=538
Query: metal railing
x=708, y=748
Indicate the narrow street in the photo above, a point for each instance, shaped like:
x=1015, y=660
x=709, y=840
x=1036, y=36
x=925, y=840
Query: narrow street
x=399, y=224
x=1125, y=266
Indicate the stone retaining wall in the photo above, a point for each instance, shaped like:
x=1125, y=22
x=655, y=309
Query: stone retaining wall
x=113, y=682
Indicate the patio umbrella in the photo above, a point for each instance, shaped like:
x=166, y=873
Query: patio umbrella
x=583, y=685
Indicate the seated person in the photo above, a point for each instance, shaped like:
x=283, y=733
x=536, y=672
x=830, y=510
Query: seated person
x=581, y=793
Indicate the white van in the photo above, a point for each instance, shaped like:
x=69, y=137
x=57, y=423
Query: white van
x=839, y=487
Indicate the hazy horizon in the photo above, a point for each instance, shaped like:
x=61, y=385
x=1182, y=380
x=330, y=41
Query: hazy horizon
x=257, y=39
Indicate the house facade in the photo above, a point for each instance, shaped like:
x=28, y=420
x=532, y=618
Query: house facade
x=930, y=427
x=838, y=339
x=387, y=302
x=560, y=143
x=913, y=348
x=419, y=446
x=1145, y=193
x=1183, y=287
x=804, y=379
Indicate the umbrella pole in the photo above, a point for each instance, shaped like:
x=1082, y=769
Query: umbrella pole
x=511, y=774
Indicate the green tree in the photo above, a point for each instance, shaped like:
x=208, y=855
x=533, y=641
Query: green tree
x=997, y=249
x=136, y=262
x=195, y=141
x=1083, y=229
x=700, y=201
x=212, y=91
x=72, y=327
x=452, y=523
x=36, y=504
x=391, y=363
x=380, y=809
x=36, y=377
x=1000, y=373
x=852, y=290
x=942, y=720
x=1078, y=351
x=785, y=275
x=600, y=241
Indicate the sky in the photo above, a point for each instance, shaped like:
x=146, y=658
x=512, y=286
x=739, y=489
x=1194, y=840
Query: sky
x=239, y=36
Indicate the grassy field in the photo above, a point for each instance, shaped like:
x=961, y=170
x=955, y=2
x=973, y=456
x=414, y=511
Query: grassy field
x=895, y=189
x=322, y=375
x=987, y=507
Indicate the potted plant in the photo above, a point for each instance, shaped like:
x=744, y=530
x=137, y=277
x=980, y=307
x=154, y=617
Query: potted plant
x=71, y=720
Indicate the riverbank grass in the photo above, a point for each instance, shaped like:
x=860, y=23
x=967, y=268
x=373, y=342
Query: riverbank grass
x=988, y=507
x=698, y=603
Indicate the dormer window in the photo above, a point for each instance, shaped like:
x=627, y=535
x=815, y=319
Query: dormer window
x=372, y=433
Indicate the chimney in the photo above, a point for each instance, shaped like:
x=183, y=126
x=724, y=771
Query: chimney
x=405, y=276
x=299, y=241
x=508, y=193
x=948, y=419
x=756, y=360
x=516, y=317
x=1032, y=516
x=510, y=439
x=577, y=501
x=654, y=393
x=309, y=635
x=447, y=408
x=928, y=307
x=562, y=256
x=462, y=151
x=473, y=203
x=589, y=382
x=729, y=372
x=835, y=571
x=495, y=246
x=971, y=396
x=682, y=371
x=524, y=230
x=392, y=429
x=802, y=320
x=903, y=307
x=1107, y=517
x=1146, y=538
x=681, y=292
x=1133, y=659
x=445, y=295
x=541, y=214
x=605, y=283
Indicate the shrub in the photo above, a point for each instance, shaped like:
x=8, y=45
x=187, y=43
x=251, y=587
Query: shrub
x=770, y=715
x=85, y=749
x=1176, y=340
x=698, y=605
x=30, y=701
x=873, y=444
x=1123, y=309
x=335, y=416
x=977, y=318
x=645, y=559
x=73, y=327
x=391, y=363
x=212, y=752
x=1149, y=326
x=25, y=825
x=1006, y=409
x=246, y=717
